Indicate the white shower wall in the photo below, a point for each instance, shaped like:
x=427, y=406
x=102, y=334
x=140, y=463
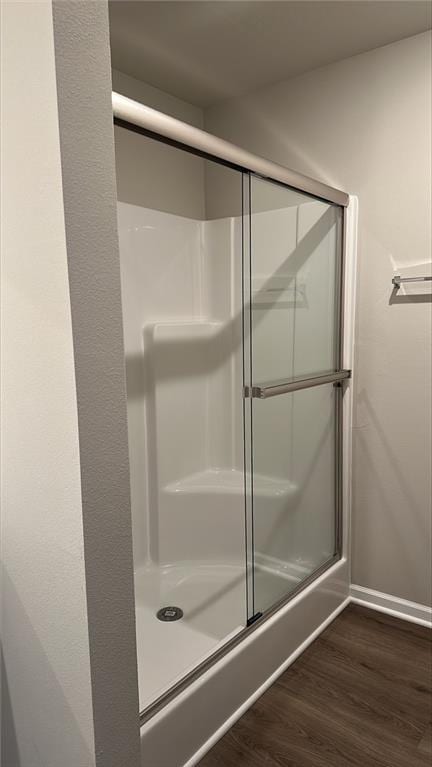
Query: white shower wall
x=182, y=328
x=181, y=284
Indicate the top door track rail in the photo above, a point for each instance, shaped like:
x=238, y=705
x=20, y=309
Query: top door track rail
x=128, y=111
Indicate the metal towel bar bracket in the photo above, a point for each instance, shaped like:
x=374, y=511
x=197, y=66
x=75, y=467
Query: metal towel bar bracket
x=398, y=280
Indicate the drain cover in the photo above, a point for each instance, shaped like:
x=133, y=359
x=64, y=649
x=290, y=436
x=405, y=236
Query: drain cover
x=169, y=614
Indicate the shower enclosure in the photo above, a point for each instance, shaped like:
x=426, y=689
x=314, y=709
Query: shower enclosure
x=233, y=324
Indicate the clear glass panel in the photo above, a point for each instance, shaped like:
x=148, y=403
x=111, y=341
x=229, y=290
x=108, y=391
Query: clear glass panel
x=293, y=489
x=292, y=281
x=295, y=249
x=180, y=226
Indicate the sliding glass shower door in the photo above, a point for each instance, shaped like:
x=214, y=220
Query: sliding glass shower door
x=292, y=285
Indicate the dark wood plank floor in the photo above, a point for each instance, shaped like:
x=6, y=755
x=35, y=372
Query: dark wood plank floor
x=359, y=695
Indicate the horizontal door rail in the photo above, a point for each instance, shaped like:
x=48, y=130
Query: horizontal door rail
x=274, y=389
x=128, y=112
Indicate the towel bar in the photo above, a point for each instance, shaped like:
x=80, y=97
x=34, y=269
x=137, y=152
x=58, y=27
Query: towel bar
x=398, y=280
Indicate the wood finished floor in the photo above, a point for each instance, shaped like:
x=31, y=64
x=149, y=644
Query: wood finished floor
x=360, y=695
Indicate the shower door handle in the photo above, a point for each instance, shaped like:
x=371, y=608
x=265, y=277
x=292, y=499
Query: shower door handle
x=284, y=387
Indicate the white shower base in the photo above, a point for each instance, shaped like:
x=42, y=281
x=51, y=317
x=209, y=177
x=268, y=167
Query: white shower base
x=202, y=714
x=213, y=600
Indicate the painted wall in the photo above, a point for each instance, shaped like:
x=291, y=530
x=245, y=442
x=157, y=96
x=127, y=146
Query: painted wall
x=152, y=174
x=363, y=125
x=47, y=698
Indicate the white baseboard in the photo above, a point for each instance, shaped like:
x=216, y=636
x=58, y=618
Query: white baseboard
x=196, y=758
x=386, y=603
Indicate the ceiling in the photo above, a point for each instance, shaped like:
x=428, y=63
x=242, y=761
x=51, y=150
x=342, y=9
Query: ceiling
x=205, y=52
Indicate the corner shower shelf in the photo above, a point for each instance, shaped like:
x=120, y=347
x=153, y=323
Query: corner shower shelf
x=231, y=482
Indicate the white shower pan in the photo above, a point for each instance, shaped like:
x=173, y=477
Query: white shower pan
x=212, y=598
x=211, y=594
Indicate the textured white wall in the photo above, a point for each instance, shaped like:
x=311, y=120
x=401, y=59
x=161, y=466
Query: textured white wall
x=363, y=125
x=89, y=195
x=70, y=681
x=47, y=700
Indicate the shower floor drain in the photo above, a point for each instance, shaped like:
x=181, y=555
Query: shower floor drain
x=168, y=614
